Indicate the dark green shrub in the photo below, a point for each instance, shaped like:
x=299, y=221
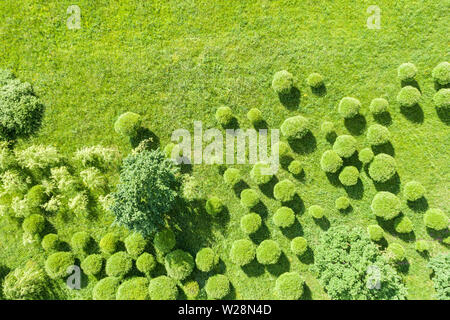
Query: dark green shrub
x=249, y=198
x=255, y=116
x=441, y=73
x=224, y=115
x=377, y=135
x=408, y=96
x=349, y=107
x=295, y=167
x=92, y=265
x=232, y=176
x=146, y=263
x=179, y=264
x=330, y=161
x=242, y=252
x=315, y=80
x=164, y=241
x=382, y=168
x=442, y=99
x=106, y=289
x=375, y=232
x=299, y=245
x=396, y=251
x=119, y=264
x=386, y=205
x=206, y=259
x=345, y=146
x=80, y=241
x=342, y=203
x=108, y=244
x=284, y=191
x=413, y=191
x=289, y=286
x=50, y=242
x=128, y=124
x=406, y=72
x=283, y=82
x=316, y=211
x=268, y=252
x=284, y=217
x=163, y=288
x=34, y=224
x=57, y=264
x=435, y=219
x=441, y=271
x=403, y=225
x=295, y=127
x=261, y=173
x=135, y=244
x=214, y=206
x=217, y=287
x=366, y=155
x=250, y=223
x=422, y=246
x=349, y=176
x=379, y=106
x=133, y=289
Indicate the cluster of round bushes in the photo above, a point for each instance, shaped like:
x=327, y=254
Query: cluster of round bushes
x=315, y=80
x=377, y=135
x=441, y=73
x=179, y=264
x=331, y=162
x=413, y=191
x=242, y=252
x=284, y=191
x=250, y=223
x=224, y=115
x=289, y=286
x=382, y=168
x=345, y=146
x=34, y=224
x=386, y=205
x=217, y=286
x=316, y=211
x=249, y=198
x=403, y=225
x=128, y=124
x=441, y=99
x=295, y=128
x=378, y=106
x=214, y=206
x=119, y=264
x=366, y=155
x=57, y=264
x=163, y=288
x=261, y=173
x=407, y=72
x=342, y=203
x=92, y=265
x=375, y=232
x=268, y=252
x=283, y=82
x=436, y=219
x=408, y=96
x=135, y=244
x=133, y=289
x=396, y=251
x=232, y=176
x=284, y=217
x=349, y=107
x=349, y=176
x=206, y=259
x=299, y=245
x=164, y=241
x=109, y=243
x=255, y=116
x=146, y=263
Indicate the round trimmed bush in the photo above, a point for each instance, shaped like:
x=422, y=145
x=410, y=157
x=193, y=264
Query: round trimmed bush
x=261, y=173
x=441, y=73
x=408, y=96
x=345, y=146
x=179, y=264
x=377, y=135
x=342, y=203
x=50, y=242
x=133, y=289
x=349, y=107
x=36, y=197
x=268, y=252
x=57, y=264
x=284, y=150
x=289, y=286
x=403, y=225
x=284, y=217
x=191, y=289
x=299, y=245
x=206, y=259
x=34, y=224
x=386, y=205
x=135, y=244
x=295, y=127
x=435, y=219
x=164, y=240
x=366, y=155
x=295, y=167
x=217, y=287
x=413, y=191
x=232, y=176
x=119, y=264
x=250, y=223
x=255, y=116
x=106, y=289
x=442, y=99
x=80, y=241
x=108, y=244
x=315, y=80
x=214, y=206
x=330, y=162
x=396, y=251
x=375, y=232
x=146, y=263
x=242, y=252
x=249, y=198
x=423, y=246
x=92, y=265
x=382, y=168
x=316, y=211
x=224, y=115
x=406, y=71
x=327, y=128
x=378, y=106
x=349, y=176
x=163, y=288
x=284, y=191
x=283, y=82
x=128, y=124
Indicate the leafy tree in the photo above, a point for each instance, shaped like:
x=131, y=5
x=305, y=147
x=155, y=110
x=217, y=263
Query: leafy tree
x=441, y=267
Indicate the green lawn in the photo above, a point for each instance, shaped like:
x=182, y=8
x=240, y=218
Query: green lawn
x=175, y=62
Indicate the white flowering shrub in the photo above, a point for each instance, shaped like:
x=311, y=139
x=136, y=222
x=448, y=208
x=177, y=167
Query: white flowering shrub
x=106, y=201
x=20, y=207
x=38, y=157
x=7, y=159
x=13, y=182
x=63, y=180
x=93, y=179
x=79, y=204
x=53, y=204
x=97, y=156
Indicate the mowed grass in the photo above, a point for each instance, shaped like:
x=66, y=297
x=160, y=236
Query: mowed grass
x=175, y=62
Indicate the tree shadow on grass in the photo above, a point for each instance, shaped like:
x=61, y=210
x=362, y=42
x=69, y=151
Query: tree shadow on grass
x=444, y=115
x=253, y=269
x=356, y=191
x=283, y=265
x=262, y=234
x=267, y=188
x=296, y=204
x=403, y=266
x=392, y=185
x=296, y=230
x=148, y=137
x=233, y=124
x=356, y=125
x=387, y=148
x=383, y=118
x=413, y=114
x=290, y=100
x=420, y=205
x=319, y=91
x=305, y=145
x=307, y=257
x=262, y=124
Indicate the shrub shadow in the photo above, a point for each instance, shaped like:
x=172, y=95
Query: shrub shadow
x=305, y=145
x=239, y=187
x=290, y=100
x=296, y=230
x=233, y=124
x=261, y=209
x=267, y=188
x=253, y=269
x=296, y=204
x=387, y=148
x=331, y=137
x=283, y=265
x=356, y=125
x=151, y=139
x=307, y=257
x=262, y=234
x=323, y=223
x=392, y=185
x=383, y=118
x=319, y=91
x=356, y=191
x=412, y=83
x=444, y=115
x=420, y=205
x=413, y=114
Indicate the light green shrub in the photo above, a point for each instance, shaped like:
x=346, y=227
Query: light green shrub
x=249, y=198
x=379, y=106
x=128, y=124
x=382, y=168
x=283, y=82
x=386, y=205
x=345, y=146
x=146, y=263
x=406, y=71
x=92, y=265
x=106, y=289
x=299, y=245
x=441, y=73
x=34, y=224
x=284, y=217
x=119, y=264
x=109, y=242
x=295, y=167
x=377, y=135
x=250, y=223
x=289, y=286
x=330, y=162
x=396, y=251
x=349, y=176
x=179, y=264
x=217, y=287
x=224, y=115
x=261, y=173
x=242, y=252
x=206, y=259
x=135, y=244
x=316, y=211
x=163, y=288
x=295, y=127
x=366, y=155
x=349, y=107
x=133, y=289
x=57, y=264
x=436, y=219
x=164, y=240
x=214, y=206
x=284, y=191
x=342, y=203
x=315, y=80
x=375, y=232
x=403, y=225
x=408, y=96
x=232, y=176
x=268, y=252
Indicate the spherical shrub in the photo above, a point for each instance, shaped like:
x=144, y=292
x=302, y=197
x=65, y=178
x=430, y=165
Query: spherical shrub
x=268, y=252
x=423, y=246
x=249, y=198
x=408, y=96
x=377, y=135
x=378, y=106
x=57, y=264
x=284, y=217
x=163, y=288
x=349, y=107
x=164, y=240
x=295, y=127
x=295, y=167
x=284, y=150
x=119, y=264
x=214, y=206
x=36, y=197
x=342, y=203
x=254, y=116
x=299, y=245
x=135, y=244
x=366, y=155
x=34, y=224
x=179, y=264
x=382, y=168
x=406, y=71
x=396, y=251
x=386, y=205
x=224, y=115
x=50, y=242
x=441, y=73
x=315, y=80
x=283, y=82
x=349, y=176
x=92, y=265
x=327, y=128
x=284, y=191
x=191, y=289
x=403, y=225
x=413, y=191
x=261, y=173
x=345, y=146
x=330, y=161
x=289, y=286
x=106, y=289
x=217, y=287
x=146, y=263
x=442, y=99
x=242, y=252
x=128, y=124
x=250, y=223
x=435, y=219
x=316, y=211
x=232, y=176
x=206, y=259
x=375, y=232
x=133, y=289
x=80, y=241
x=108, y=244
